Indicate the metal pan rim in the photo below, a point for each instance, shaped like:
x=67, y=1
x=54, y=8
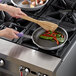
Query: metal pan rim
x=52, y=48
x=30, y=9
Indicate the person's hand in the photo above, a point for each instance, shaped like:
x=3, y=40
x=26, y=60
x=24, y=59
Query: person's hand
x=14, y=11
x=9, y=33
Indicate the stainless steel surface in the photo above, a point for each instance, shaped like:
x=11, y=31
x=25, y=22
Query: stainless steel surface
x=30, y=56
x=71, y=48
x=68, y=66
x=27, y=36
x=27, y=71
x=1, y=62
x=18, y=3
x=64, y=2
x=47, y=44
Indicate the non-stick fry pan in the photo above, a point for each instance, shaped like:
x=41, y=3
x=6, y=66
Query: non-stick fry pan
x=45, y=44
x=18, y=3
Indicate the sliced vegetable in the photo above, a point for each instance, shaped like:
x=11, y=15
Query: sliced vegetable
x=56, y=41
x=50, y=31
x=58, y=35
x=45, y=37
x=53, y=36
x=60, y=39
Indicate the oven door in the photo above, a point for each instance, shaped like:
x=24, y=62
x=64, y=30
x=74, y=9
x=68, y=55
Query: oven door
x=4, y=74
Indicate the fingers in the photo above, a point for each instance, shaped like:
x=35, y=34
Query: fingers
x=9, y=33
x=20, y=14
x=16, y=12
x=14, y=34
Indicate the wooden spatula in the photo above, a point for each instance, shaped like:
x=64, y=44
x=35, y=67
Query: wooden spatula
x=44, y=24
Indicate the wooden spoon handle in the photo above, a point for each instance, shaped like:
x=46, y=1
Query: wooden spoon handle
x=29, y=19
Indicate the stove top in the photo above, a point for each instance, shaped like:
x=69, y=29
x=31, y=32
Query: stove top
x=61, y=16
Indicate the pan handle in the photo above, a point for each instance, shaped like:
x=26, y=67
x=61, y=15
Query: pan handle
x=23, y=35
x=0, y=0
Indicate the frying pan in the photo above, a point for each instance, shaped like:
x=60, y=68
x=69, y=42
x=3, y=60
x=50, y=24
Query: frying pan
x=45, y=44
x=18, y=3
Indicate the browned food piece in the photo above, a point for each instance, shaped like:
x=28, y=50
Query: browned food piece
x=33, y=4
x=32, y=0
x=25, y=2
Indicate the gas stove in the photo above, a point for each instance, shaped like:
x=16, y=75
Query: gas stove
x=22, y=55
x=49, y=13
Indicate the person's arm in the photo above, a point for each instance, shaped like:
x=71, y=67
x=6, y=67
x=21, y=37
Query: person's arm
x=2, y=7
x=9, y=33
x=13, y=11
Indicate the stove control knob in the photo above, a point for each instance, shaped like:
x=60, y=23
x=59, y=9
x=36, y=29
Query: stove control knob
x=39, y=74
x=27, y=71
x=21, y=68
x=45, y=75
x=1, y=62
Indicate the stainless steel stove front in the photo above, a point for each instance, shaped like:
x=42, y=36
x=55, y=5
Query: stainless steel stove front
x=18, y=59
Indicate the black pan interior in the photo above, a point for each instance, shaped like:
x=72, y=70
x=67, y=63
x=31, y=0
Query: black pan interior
x=47, y=44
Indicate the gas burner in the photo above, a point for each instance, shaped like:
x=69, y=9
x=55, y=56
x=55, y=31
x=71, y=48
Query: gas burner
x=22, y=22
x=2, y=17
x=56, y=15
x=12, y=25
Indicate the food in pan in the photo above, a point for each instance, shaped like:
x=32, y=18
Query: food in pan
x=25, y=2
x=33, y=3
x=53, y=36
